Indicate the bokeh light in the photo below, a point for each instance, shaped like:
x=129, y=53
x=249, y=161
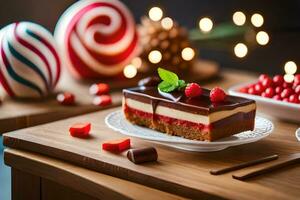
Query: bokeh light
x=155, y=13
x=130, y=71
x=240, y=50
x=167, y=23
x=137, y=62
x=187, y=54
x=206, y=24
x=257, y=20
x=239, y=18
x=155, y=56
x=289, y=78
x=262, y=38
x=290, y=67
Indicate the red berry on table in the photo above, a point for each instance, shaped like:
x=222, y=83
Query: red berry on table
x=278, y=89
x=263, y=77
x=277, y=97
x=269, y=92
x=278, y=80
x=66, y=98
x=81, y=130
x=297, y=89
x=102, y=100
x=258, y=88
x=267, y=82
x=286, y=93
x=193, y=90
x=217, y=94
x=116, y=145
x=99, y=89
x=293, y=98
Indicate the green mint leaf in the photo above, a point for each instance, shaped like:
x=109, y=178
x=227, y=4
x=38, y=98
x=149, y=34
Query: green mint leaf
x=166, y=86
x=168, y=76
x=181, y=84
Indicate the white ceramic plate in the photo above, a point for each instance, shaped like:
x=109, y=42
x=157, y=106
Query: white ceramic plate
x=117, y=122
x=298, y=134
x=274, y=108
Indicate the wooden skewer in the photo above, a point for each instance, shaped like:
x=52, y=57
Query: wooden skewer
x=291, y=159
x=243, y=165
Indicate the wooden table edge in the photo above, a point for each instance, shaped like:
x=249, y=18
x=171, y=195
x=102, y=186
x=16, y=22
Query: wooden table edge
x=95, y=184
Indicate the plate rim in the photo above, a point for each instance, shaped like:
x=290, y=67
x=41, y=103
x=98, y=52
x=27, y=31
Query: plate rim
x=297, y=134
x=191, y=142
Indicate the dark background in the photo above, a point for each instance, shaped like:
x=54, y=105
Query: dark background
x=282, y=22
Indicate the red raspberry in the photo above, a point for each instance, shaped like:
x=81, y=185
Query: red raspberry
x=258, y=88
x=267, y=82
x=99, y=89
x=293, y=98
x=263, y=77
x=297, y=89
x=193, y=90
x=278, y=90
x=278, y=80
x=217, y=95
x=102, y=100
x=286, y=93
x=277, y=97
x=66, y=98
x=269, y=92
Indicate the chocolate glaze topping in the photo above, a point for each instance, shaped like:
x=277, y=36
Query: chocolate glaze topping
x=177, y=100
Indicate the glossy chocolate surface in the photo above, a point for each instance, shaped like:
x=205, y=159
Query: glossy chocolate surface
x=177, y=100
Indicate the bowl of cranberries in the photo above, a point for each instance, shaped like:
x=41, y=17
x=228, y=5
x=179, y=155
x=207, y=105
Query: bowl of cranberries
x=273, y=95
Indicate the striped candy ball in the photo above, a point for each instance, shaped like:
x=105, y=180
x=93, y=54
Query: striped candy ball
x=97, y=38
x=29, y=62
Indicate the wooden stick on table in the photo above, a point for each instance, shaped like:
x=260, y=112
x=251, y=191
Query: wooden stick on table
x=243, y=165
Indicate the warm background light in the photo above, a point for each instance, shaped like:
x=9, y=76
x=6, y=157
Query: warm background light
x=288, y=78
x=205, y=24
x=240, y=50
x=154, y=56
x=262, y=38
x=257, y=20
x=130, y=71
x=137, y=62
x=188, y=53
x=290, y=67
x=155, y=13
x=167, y=23
x=239, y=18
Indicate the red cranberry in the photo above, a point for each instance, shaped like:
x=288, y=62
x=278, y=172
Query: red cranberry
x=269, y=92
x=264, y=95
x=287, y=85
x=263, y=77
x=297, y=89
x=251, y=90
x=277, y=97
x=244, y=90
x=267, y=82
x=285, y=99
x=293, y=98
x=278, y=90
x=278, y=80
x=286, y=93
x=258, y=88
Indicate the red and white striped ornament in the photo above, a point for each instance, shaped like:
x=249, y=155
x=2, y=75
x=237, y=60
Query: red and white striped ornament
x=97, y=38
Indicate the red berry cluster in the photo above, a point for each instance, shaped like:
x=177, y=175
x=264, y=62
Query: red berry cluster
x=276, y=88
x=217, y=94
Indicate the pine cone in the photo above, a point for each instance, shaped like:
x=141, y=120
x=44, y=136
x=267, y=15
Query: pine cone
x=169, y=41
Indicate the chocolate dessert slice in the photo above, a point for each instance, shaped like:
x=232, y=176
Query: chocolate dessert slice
x=193, y=118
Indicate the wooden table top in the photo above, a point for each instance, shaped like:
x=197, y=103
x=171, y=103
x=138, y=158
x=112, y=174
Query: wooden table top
x=178, y=172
